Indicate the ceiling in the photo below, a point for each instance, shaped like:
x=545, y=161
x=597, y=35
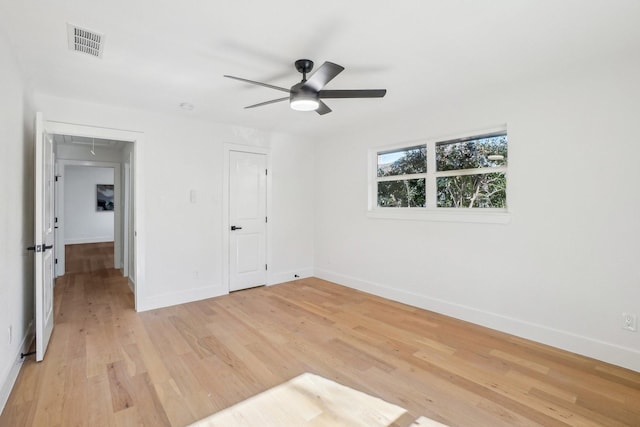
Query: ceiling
x=161, y=53
x=88, y=143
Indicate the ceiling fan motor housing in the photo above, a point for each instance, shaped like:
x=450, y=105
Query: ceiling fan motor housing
x=303, y=98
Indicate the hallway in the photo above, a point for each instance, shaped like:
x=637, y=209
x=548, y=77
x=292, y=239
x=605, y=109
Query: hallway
x=88, y=257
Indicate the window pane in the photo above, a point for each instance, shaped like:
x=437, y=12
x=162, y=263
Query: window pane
x=402, y=193
x=403, y=162
x=486, y=152
x=478, y=191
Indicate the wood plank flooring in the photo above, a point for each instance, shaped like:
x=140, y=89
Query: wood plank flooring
x=110, y=366
x=88, y=257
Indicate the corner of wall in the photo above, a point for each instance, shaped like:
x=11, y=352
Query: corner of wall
x=288, y=276
x=14, y=370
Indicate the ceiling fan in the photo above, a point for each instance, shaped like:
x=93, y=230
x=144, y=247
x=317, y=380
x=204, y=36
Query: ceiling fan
x=309, y=93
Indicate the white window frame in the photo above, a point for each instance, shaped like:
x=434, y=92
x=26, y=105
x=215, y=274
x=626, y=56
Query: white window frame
x=405, y=177
x=431, y=212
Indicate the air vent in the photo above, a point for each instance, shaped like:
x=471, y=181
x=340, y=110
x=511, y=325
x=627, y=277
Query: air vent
x=85, y=41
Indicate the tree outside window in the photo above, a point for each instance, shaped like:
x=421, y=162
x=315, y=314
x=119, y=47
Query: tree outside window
x=467, y=173
x=402, y=177
x=478, y=179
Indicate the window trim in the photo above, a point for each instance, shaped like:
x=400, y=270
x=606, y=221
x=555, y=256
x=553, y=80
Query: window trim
x=431, y=212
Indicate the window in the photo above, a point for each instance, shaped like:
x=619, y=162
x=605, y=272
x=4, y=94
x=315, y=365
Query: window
x=454, y=175
x=470, y=172
x=401, y=176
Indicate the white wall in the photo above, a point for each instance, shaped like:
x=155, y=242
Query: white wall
x=291, y=218
x=16, y=217
x=82, y=222
x=565, y=267
x=183, y=256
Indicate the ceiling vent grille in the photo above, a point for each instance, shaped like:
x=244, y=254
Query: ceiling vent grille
x=85, y=41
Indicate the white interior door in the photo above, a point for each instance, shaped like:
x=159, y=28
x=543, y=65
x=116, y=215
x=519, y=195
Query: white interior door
x=44, y=237
x=248, y=217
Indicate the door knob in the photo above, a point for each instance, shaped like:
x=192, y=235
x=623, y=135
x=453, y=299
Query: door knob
x=233, y=227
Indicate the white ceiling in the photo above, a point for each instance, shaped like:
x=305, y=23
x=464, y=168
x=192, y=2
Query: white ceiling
x=160, y=53
x=82, y=141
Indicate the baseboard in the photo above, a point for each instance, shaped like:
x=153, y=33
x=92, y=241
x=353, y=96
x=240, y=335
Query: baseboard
x=82, y=240
x=175, y=298
x=288, y=276
x=132, y=285
x=8, y=383
x=600, y=350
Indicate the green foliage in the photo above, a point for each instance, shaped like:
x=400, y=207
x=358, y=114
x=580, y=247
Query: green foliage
x=480, y=190
x=412, y=160
x=405, y=193
x=471, y=154
x=472, y=191
x=486, y=190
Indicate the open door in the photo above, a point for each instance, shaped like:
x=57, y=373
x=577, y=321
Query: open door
x=44, y=236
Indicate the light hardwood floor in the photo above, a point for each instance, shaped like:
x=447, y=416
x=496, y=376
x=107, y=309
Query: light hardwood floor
x=109, y=366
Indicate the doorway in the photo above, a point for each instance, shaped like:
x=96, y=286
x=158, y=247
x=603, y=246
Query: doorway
x=119, y=148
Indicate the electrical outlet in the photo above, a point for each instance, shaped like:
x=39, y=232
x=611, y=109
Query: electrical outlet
x=630, y=322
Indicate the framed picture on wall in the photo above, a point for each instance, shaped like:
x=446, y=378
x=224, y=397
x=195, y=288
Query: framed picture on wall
x=104, y=197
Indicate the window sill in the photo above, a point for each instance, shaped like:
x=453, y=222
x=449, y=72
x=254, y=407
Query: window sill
x=495, y=216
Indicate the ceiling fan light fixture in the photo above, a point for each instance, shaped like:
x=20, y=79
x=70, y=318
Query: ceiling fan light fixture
x=304, y=104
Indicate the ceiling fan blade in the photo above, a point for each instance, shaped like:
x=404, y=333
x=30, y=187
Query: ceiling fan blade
x=358, y=93
x=323, y=108
x=258, y=83
x=273, y=101
x=323, y=75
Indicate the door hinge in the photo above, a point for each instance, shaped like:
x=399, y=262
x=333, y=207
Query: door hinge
x=266, y=171
x=265, y=219
x=56, y=261
x=56, y=221
x=265, y=267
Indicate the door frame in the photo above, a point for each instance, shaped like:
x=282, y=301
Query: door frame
x=126, y=215
x=139, y=237
x=118, y=213
x=228, y=147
